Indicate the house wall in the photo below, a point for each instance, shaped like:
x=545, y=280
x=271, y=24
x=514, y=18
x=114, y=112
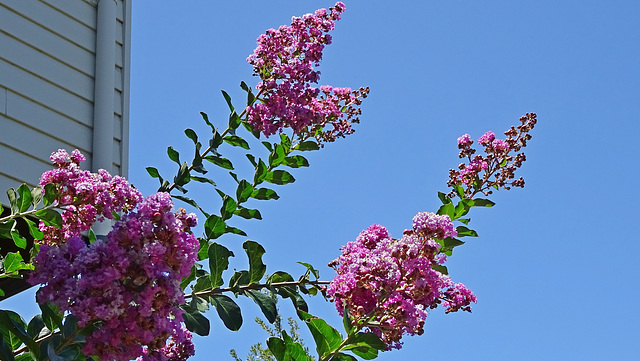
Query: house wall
x=47, y=74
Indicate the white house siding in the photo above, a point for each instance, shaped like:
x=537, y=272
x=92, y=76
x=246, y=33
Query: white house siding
x=47, y=67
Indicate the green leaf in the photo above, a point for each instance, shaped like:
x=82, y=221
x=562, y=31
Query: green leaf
x=366, y=345
x=279, y=177
x=239, y=278
x=264, y=194
x=278, y=349
x=459, y=190
x=203, y=283
x=49, y=217
x=447, y=209
x=6, y=228
x=244, y=86
x=218, y=263
x=268, y=145
x=199, y=304
x=464, y=220
x=173, y=155
x=285, y=141
x=228, y=99
x=234, y=121
x=191, y=134
x=186, y=281
x=440, y=268
x=279, y=276
x=16, y=325
x=204, y=249
x=296, y=350
x=452, y=242
x=70, y=326
x=236, y=141
x=244, y=191
x=214, y=227
x=51, y=316
x=25, y=199
x=444, y=198
x=36, y=325
x=234, y=230
x=309, y=267
x=18, y=240
x=196, y=322
x=13, y=262
x=483, y=203
x=190, y=202
x=343, y=357
x=277, y=156
x=229, y=206
x=6, y=351
x=327, y=338
x=266, y=304
x=36, y=196
x=50, y=193
x=247, y=213
x=260, y=173
x=296, y=161
x=255, y=252
x=13, y=200
x=308, y=145
x=205, y=117
x=153, y=172
x=220, y=162
x=466, y=232
x=347, y=322
x=228, y=311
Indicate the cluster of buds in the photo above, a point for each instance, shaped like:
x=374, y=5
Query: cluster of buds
x=285, y=60
x=387, y=285
x=496, y=169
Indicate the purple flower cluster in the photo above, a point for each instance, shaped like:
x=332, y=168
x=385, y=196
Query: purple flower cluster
x=387, y=285
x=496, y=169
x=128, y=285
x=285, y=60
x=86, y=196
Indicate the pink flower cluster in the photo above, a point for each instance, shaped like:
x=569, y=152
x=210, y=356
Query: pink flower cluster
x=86, y=196
x=284, y=60
x=387, y=285
x=128, y=285
x=497, y=168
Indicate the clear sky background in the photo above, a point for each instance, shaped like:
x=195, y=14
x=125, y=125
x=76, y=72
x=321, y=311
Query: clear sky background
x=556, y=265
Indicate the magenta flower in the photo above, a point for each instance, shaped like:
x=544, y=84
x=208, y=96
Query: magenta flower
x=388, y=284
x=285, y=60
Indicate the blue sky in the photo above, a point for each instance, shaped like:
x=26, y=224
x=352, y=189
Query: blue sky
x=555, y=266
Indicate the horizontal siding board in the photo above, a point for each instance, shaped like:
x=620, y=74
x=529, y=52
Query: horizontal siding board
x=117, y=153
x=55, y=21
x=120, y=10
x=38, y=144
x=7, y=182
x=29, y=85
x=120, y=33
x=3, y=100
x=117, y=99
x=117, y=127
x=79, y=10
x=46, y=67
x=47, y=42
x=21, y=166
x=119, y=78
x=22, y=109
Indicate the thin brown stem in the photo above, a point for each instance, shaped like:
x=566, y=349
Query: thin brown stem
x=255, y=286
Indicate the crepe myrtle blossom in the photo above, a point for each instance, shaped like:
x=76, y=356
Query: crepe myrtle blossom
x=128, y=285
x=285, y=60
x=496, y=167
x=387, y=285
x=86, y=197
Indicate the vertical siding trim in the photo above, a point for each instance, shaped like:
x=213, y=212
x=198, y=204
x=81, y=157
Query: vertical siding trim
x=124, y=154
x=102, y=157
